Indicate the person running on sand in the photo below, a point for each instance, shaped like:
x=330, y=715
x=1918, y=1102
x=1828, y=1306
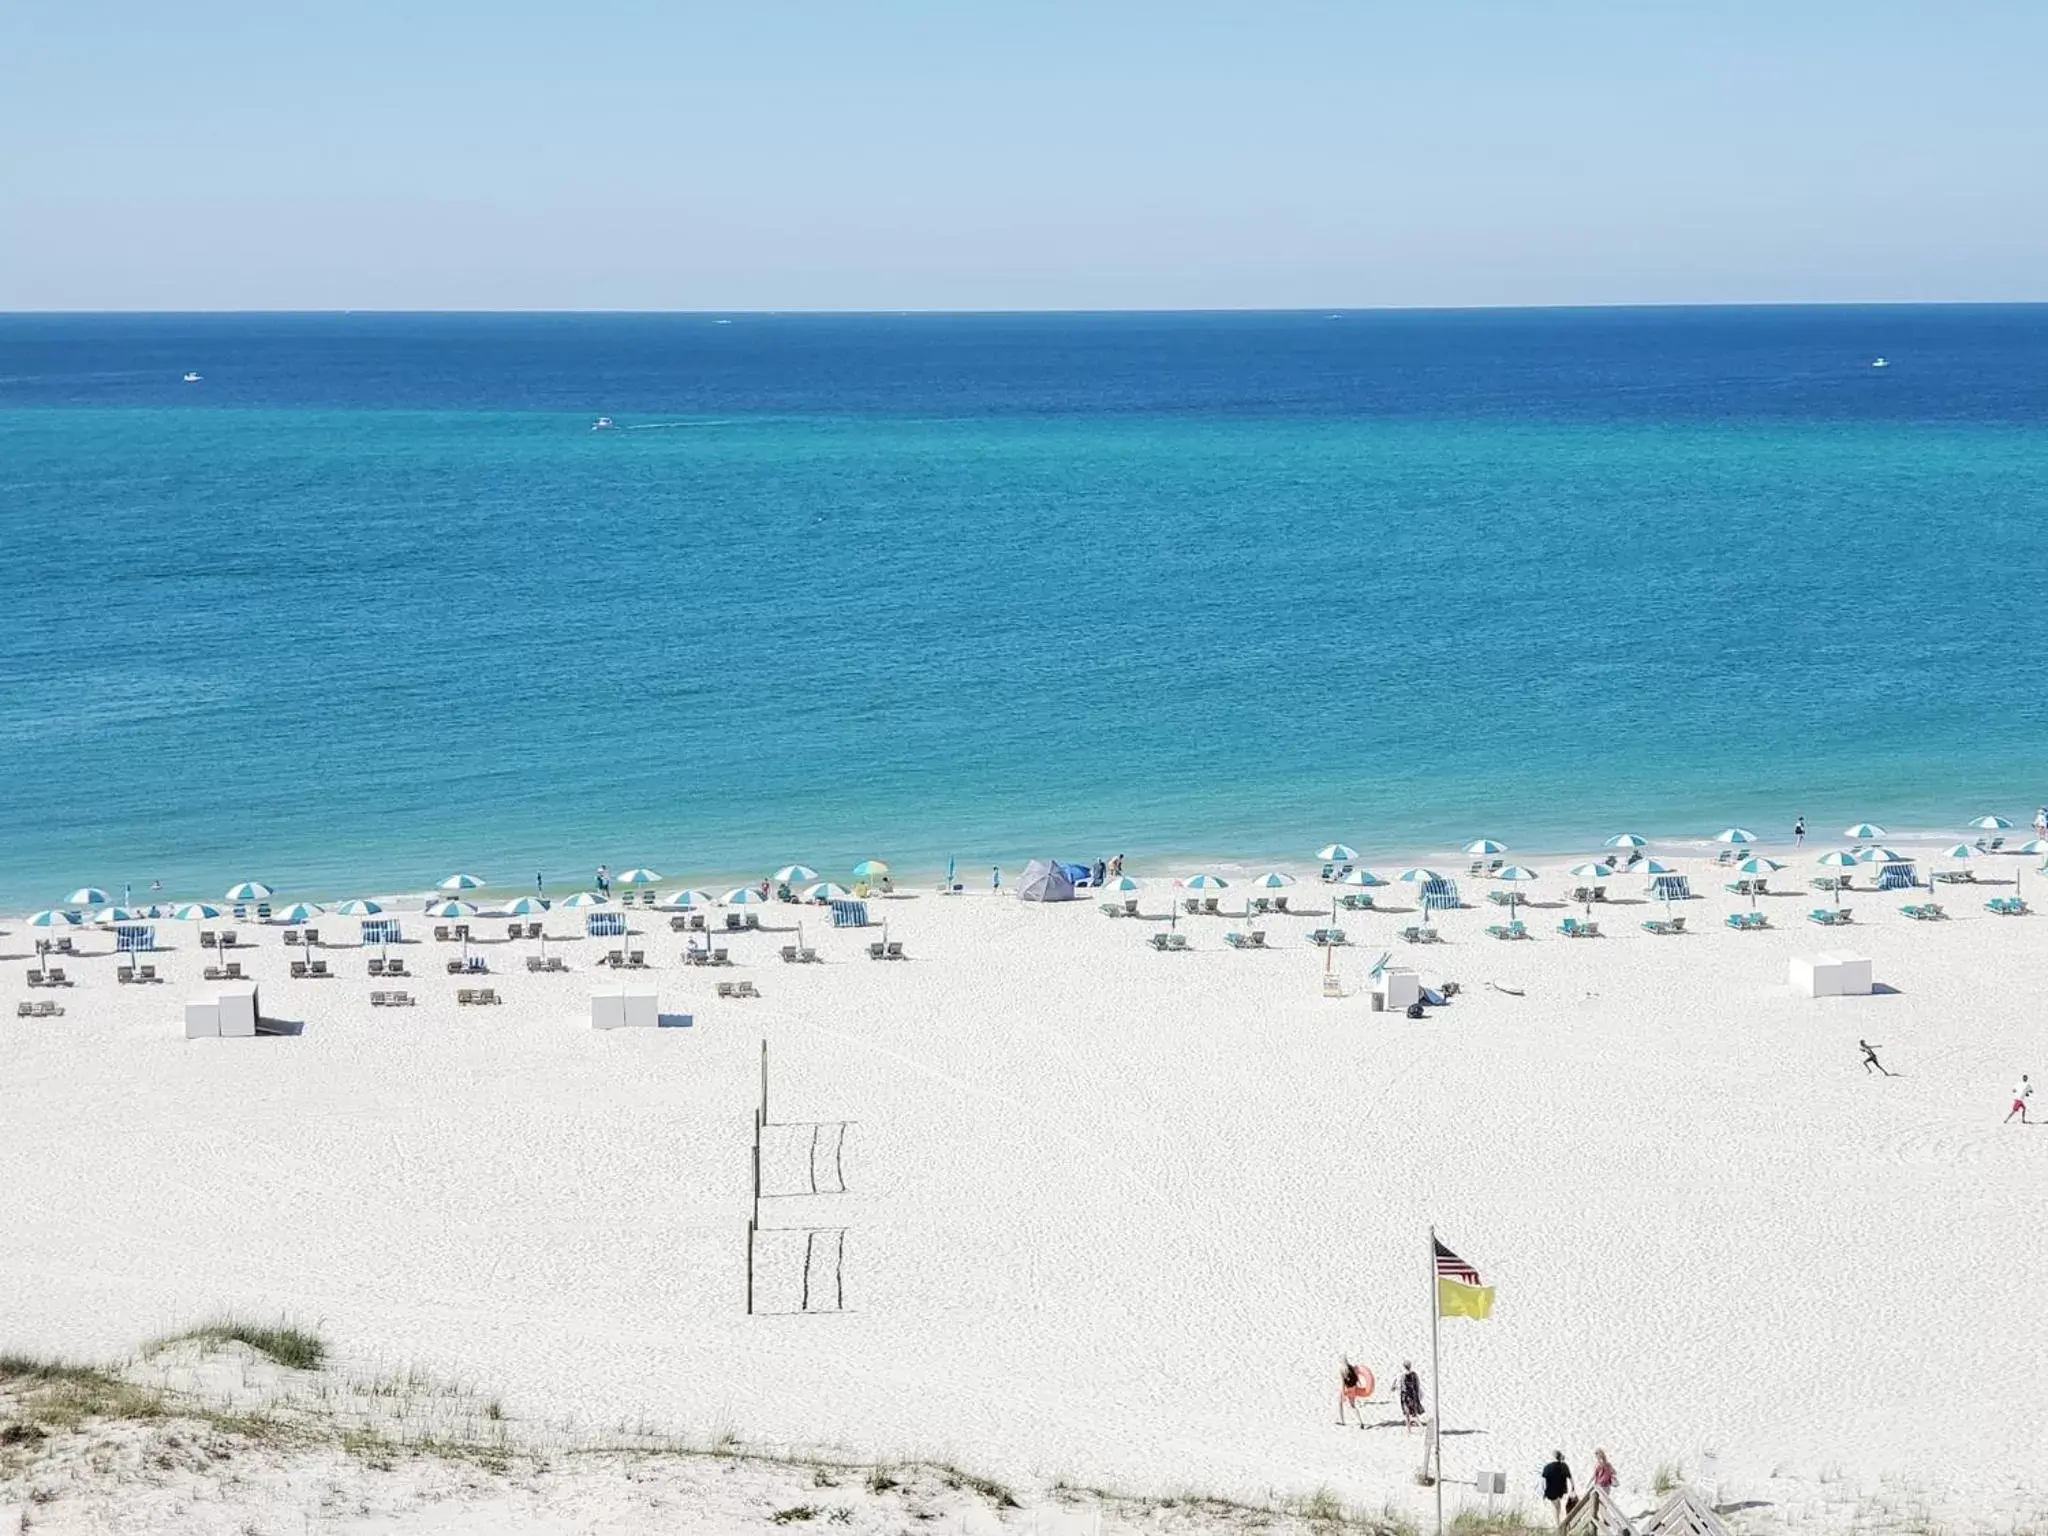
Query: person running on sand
x=1557, y=1484
x=1411, y=1394
x=2021, y=1092
x=1870, y=1060
x=1603, y=1472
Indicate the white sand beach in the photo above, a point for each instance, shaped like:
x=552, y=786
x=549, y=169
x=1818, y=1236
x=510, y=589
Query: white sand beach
x=1111, y=1215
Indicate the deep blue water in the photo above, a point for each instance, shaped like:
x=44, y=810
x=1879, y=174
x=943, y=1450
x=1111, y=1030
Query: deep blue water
x=371, y=601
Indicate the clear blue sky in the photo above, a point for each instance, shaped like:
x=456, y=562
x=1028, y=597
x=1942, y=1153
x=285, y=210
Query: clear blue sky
x=974, y=154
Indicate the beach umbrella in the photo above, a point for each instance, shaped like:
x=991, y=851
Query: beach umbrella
x=1735, y=835
x=2035, y=845
x=794, y=874
x=461, y=882
x=1124, y=884
x=298, y=912
x=1273, y=880
x=53, y=919
x=1754, y=866
x=1658, y=867
x=453, y=909
x=1959, y=851
x=119, y=915
x=1627, y=840
x=360, y=907
x=1593, y=871
x=248, y=890
x=88, y=896
x=826, y=890
x=1336, y=853
x=688, y=898
x=1991, y=824
x=526, y=906
x=1486, y=845
x=637, y=877
x=586, y=899
x=1417, y=876
x=1513, y=875
x=1840, y=858
x=195, y=912
x=1206, y=882
x=743, y=896
x=1361, y=877
x=1863, y=831
x=1877, y=855
x=870, y=869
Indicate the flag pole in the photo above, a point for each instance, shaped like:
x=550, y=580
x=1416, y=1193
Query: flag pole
x=1436, y=1390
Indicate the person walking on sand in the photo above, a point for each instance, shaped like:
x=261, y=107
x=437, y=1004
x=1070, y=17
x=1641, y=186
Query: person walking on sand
x=1353, y=1387
x=1799, y=833
x=2021, y=1092
x=1603, y=1472
x=1557, y=1484
x=1870, y=1061
x=1411, y=1394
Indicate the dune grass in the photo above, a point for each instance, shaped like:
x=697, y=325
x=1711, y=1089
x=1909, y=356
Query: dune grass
x=57, y=1394
x=289, y=1345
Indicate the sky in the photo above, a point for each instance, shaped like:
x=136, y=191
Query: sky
x=775, y=154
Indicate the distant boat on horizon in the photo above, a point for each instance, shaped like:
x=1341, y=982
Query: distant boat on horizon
x=191, y=378
x=602, y=424
x=1880, y=363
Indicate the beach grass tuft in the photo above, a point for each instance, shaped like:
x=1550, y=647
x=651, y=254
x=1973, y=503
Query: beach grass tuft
x=795, y=1514
x=1667, y=1477
x=57, y=1394
x=296, y=1348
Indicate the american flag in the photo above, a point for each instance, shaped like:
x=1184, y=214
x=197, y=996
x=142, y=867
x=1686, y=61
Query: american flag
x=1450, y=1267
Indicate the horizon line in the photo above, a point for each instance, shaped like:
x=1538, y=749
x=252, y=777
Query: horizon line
x=902, y=312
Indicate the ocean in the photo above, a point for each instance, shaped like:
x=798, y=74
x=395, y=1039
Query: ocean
x=371, y=601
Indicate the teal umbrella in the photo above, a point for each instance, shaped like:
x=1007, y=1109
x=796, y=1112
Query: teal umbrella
x=360, y=907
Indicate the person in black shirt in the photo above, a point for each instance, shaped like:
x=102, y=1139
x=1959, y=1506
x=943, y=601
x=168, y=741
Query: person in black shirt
x=1411, y=1394
x=1557, y=1484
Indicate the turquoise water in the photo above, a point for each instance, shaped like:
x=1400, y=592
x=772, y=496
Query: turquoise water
x=372, y=602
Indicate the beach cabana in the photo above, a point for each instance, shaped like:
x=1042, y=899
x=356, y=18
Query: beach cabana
x=1045, y=880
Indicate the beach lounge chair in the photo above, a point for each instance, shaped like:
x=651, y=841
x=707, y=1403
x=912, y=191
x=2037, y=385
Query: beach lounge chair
x=1515, y=930
x=441, y=933
x=732, y=922
x=744, y=989
x=208, y=939
x=229, y=938
x=678, y=922
x=376, y=967
x=49, y=1010
x=1658, y=925
x=807, y=955
x=1177, y=942
x=1261, y=904
x=291, y=937
x=24, y=1009
x=241, y=913
x=721, y=957
x=878, y=950
x=395, y=967
x=2004, y=906
x=488, y=995
x=1212, y=906
x=1258, y=938
x=753, y=922
x=1829, y=917
x=533, y=963
x=557, y=963
x=1727, y=856
x=636, y=959
x=1279, y=903
x=1192, y=905
x=262, y=911
x=725, y=988
x=1991, y=846
x=234, y=970
x=319, y=970
x=211, y=973
x=298, y=970
x=1237, y=940
x=148, y=973
x=377, y=999
x=1569, y=927
x=895, y=949
x=123, y=974
x=313, y=939
x=789, y=954
x=465, y=995
x=1326, y=937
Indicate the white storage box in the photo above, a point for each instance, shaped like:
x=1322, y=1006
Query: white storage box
x=607, y=1007
x=642, y=1006
x=1393, y=991
x=238, y=1008
x=1852, y=973
x=202, y=1018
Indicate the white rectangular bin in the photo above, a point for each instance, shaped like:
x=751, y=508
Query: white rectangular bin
x=607, y=1007
x=202, y=1018
x=642, y=1006
x=238, y=1008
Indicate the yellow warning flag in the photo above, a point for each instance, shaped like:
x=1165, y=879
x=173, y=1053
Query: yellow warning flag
x=1454, y=1298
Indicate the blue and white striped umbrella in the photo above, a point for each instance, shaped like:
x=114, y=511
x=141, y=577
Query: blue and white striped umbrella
x=1657, y=867
x=249, y=890
x=1960, y=851
x=1759, y=865
x=1206, y=882
x=1863, y=831
x=1486, y=845
x=1627, y=840
x=1514, y=874
x=827, y=890
x=361, y=907
x=870, y=869
x=1882, y=856
x=2037, y=845
x=195, y=912
x=54, y=919
x=1122, y=884
x=1336, y=853
x=688, y=898
x=526, y=906
x=1591, y=871
x=1735, y=835
x=119, y=915
x=1992, y=824
x=794, y=874
x=1273, y=880
x=297, y=912
x=1841, y=858
x=1418, y=876
x=461, y=882
x=88, y=896
x=1361, y=877
x=586, y=899
x=637, y=877
x=744, y=896
x=450, y=909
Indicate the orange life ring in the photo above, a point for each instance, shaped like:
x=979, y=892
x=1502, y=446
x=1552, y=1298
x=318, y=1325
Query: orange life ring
x=1365, y=1384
